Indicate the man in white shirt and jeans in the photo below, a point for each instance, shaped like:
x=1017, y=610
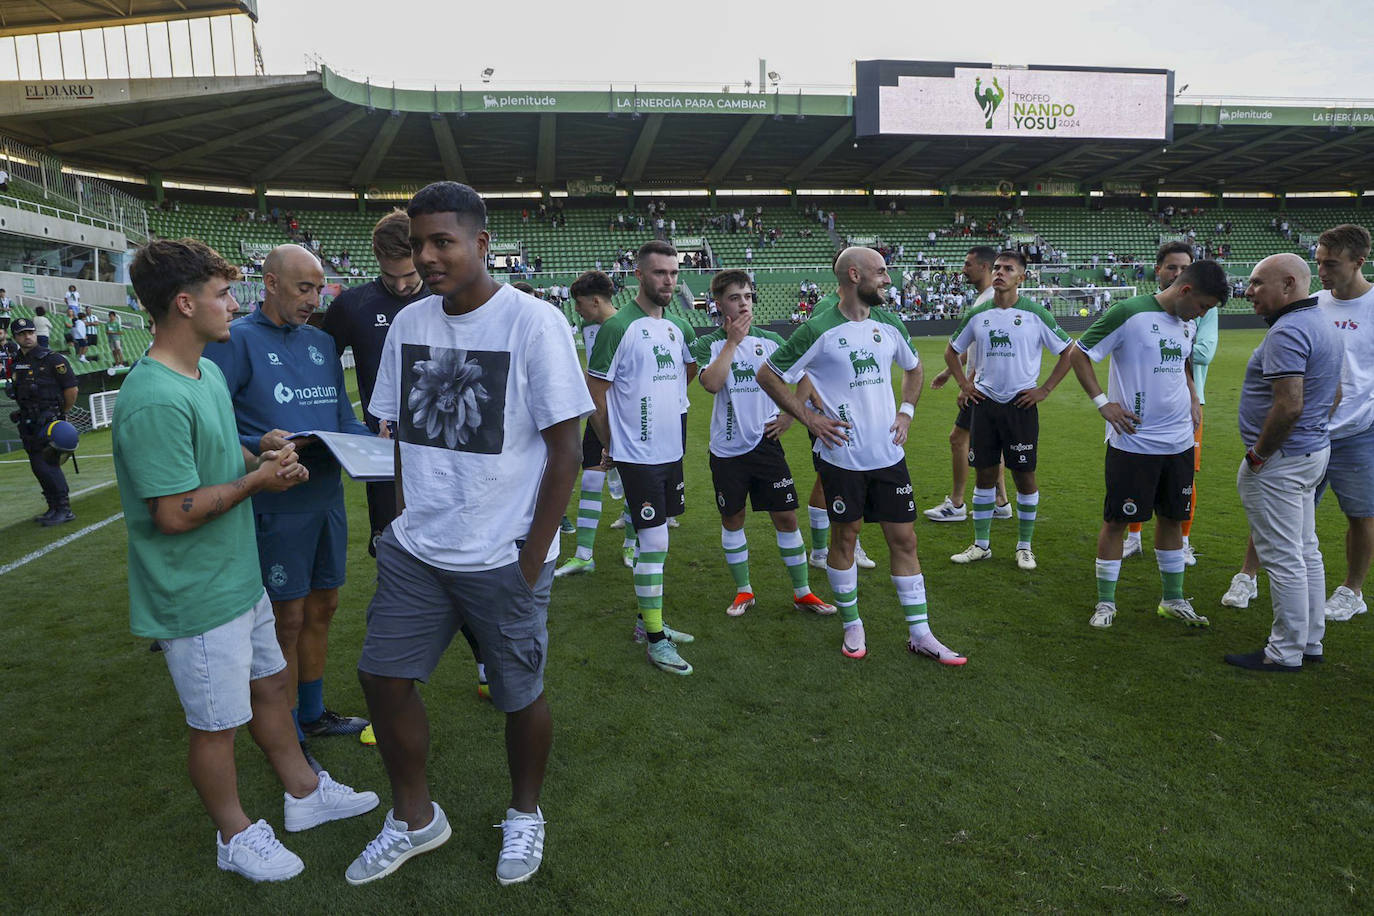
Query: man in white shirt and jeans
x=483, y=388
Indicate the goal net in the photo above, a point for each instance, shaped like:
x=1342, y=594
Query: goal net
x=1066, y=301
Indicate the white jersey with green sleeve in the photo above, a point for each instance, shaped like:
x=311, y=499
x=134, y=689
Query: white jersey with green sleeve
x=741, y=408
x=1008, y=343
x=1148, y=347
x=645, y=360
x=850, y=363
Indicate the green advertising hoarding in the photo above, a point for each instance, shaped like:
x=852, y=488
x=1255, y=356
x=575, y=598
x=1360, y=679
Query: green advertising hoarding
x=606, y=101
x=1273, y=116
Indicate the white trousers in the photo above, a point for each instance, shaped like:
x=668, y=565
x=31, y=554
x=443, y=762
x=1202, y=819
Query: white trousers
x=1279, y=504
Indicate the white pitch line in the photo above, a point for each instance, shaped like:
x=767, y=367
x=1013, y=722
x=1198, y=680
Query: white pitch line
x=99, y=486
x=62, y=542
x=80, y=457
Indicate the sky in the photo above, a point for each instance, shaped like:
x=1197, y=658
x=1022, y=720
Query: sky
x=1231, y=50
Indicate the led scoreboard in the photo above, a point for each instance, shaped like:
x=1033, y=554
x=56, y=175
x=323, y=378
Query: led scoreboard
x=927, y=98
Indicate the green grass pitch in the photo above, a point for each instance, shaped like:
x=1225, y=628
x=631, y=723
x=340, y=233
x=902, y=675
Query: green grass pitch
x=1064, y=768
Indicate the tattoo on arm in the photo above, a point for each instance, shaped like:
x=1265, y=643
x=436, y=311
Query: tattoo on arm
x=215, y=510
x=187, y=503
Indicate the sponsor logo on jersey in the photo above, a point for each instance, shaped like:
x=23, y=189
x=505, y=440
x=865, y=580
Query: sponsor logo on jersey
x=998, y=338
x=1170, y=350
x=782, y=484
x=318, y=394
x=283, y=393
x=742, y=372
x=381, y=320
x=904, y=491
x=863, y=362
x=273, y=358
x=646, y=404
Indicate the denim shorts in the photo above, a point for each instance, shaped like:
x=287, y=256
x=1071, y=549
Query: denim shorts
x=211, y=671
x=1350, y=473
x=300, y=552
x=418, y=608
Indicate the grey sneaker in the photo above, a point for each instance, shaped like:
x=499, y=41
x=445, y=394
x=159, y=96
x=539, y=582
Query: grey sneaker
x=641, y=635
x=1103, y=615
x=331, y=801
x=396, y=843
x=663, y=656
x=1002, y=511
x=258, y=855
x=522, y=846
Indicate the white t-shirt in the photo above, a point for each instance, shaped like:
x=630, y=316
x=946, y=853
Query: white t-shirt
x=850, y=363
x=1009, y=342
x=1354, y=319
x=469, y=395
x=79, y=328
x=742, y=408
x=1148, y=347
x=72, y=298
x=645, y=359
x=971, y=366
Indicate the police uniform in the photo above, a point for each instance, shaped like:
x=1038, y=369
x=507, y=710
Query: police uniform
x=41, y=378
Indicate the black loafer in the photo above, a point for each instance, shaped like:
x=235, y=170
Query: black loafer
x=1258, y=661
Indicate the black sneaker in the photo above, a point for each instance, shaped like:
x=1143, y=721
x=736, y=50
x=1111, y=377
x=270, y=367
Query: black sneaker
x=44, y=517
x=310, y=758
x=58, y=517
x=331, y=723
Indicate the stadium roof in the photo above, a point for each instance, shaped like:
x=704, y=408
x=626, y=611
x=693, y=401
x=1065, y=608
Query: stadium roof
x=31, y=17
x=323, y=131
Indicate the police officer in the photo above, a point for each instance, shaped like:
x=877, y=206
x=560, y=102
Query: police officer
x=44, y=386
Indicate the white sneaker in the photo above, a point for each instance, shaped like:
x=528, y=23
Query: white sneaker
x=1182, y=609
x=1132, y=548
x=972, y=554
x=1189, y=557
x=1241, y=590
x=1002, y=511
x=673, y=522
x=331, y=801
x=861, y=559
x=522, y=846
x=258, y=855
x=619, y=521
x=818, y=558
x=1103, y=615
x=1024, y=558
x=947, y=512
x=1344, y=604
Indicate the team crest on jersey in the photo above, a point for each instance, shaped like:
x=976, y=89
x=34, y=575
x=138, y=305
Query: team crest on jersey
x=274, y=359
x=316, y=357
x=276, y=576
x=838, y=506
x=672, y=335
x=720, y=499
x=758, y=349
x=1016, y=320
x=1129, y=507
x=646, y=511
x=877, y=337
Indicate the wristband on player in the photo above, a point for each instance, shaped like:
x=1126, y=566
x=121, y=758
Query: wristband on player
x=907, y=408
x=1255, y=459
x=1099, y=401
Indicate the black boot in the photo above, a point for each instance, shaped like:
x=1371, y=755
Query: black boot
x=46, y=515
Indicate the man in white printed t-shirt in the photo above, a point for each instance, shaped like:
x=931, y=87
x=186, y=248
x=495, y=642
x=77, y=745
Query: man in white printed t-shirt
x=978, y=271
x=1348, y=300
x=747, y=460
x=638, y=373
x=482, y=386
x=847, y=352
x=1151, y=409
x=591, y=294
x=1009, y=334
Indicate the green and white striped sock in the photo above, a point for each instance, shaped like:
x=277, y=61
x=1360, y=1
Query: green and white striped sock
x=794, y=558
x=736, y=547
x=589, y=512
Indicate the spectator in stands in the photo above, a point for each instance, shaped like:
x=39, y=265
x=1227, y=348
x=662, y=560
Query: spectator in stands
x=42, y=325
x=114, y=331
x=73, y=300
x=4, y=179
x=6, y=311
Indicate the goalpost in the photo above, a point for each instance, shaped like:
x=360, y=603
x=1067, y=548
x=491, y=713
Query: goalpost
x=1070, y=301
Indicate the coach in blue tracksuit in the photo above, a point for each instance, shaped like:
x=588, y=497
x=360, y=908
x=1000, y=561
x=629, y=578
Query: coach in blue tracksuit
x=284, y=376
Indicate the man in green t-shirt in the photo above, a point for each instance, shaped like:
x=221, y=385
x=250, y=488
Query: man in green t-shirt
x=194, y=583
